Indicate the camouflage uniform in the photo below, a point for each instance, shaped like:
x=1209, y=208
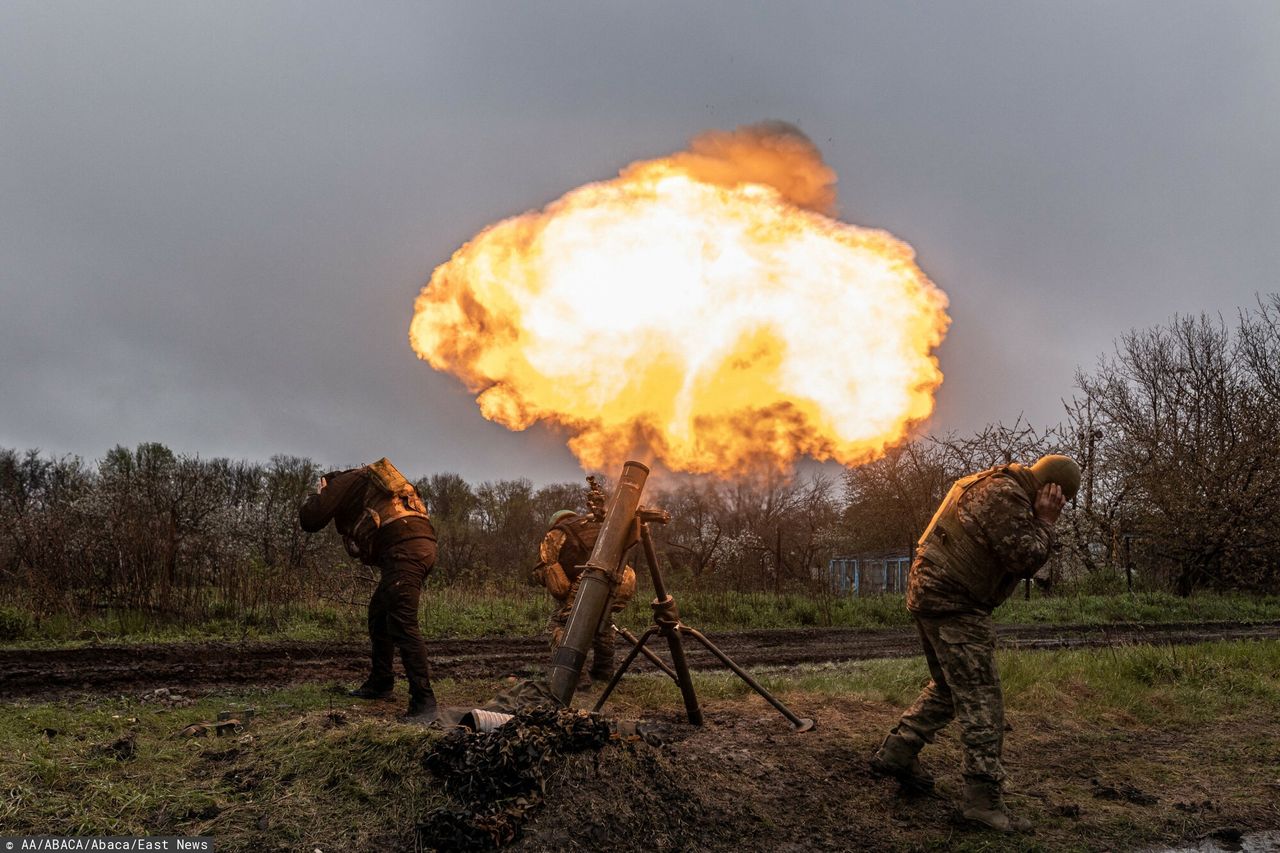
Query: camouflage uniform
x=561, y=556
x=984, y=539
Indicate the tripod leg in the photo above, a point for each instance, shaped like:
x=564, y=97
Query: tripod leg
x=667, y=617
x=801, y=724
x=647, y=652
x=684, y=679
x=622, y=670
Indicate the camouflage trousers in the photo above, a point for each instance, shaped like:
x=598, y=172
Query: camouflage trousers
x=960, y=650
x=602, y=644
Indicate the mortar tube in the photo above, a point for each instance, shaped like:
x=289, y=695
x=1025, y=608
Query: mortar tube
x=596, y=584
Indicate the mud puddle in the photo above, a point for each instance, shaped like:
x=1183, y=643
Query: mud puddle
x=1228, y=839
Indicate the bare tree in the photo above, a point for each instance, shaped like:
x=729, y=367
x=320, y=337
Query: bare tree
x=453, y=506
x=1189, y=432
x=692, y=542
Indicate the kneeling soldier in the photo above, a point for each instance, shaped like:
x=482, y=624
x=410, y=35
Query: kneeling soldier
x=564, y=550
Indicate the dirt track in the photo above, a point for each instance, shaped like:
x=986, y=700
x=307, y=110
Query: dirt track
x=126, y=669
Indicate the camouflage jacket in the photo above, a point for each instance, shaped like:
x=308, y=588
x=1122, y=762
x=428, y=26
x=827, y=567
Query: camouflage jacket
x=549, y=572
x=1005, y=538
x=560, y=545
x=564, y=549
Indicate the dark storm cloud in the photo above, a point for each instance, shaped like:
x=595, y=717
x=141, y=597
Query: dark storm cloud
x=214, y=217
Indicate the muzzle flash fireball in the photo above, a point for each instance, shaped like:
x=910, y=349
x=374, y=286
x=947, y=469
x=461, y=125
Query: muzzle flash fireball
x=702, y=311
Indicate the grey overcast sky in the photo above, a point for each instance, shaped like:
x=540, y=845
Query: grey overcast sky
x=214, y=217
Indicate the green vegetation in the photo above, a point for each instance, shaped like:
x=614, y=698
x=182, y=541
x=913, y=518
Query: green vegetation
x=1138, y=607
x=120, y=767
x=1180, y=685
x=523, y=611
x=743, y=611
x=15, y=624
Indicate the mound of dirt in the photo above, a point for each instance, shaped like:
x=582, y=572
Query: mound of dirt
x=497, y=778
x=630, y=796
x=739, y=781
x=571, y=781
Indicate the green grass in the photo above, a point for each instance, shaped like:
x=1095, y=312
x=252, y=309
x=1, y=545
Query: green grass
x=512, y=612
x=734, y=611
x=1174, y=684
x=1151, y=684
x=295, y=769
x=1138, y=607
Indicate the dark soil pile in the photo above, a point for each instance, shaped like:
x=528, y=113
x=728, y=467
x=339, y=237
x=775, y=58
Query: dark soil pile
x=741, y=781
x=498, y=778
x=571, y=781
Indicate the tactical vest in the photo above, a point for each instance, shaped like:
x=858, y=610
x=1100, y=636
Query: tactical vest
x=949, y=546
x=580, y=534
x=387, y=496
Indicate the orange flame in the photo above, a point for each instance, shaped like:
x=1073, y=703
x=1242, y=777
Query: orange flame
x=699, y=310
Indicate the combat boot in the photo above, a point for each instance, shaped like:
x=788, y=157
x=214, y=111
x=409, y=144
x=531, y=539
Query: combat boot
x=600, y=676
x=984, y=804
x=422, y=709
x=369, y=690
x=898, y=759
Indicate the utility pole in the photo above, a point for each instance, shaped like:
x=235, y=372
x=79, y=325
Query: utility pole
x=1094, y=435
x=777, y=561
x=1128, y=562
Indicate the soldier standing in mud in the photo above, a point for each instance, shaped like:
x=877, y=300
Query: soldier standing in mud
x=561, y=555
x=384, y=523
x=992, y=529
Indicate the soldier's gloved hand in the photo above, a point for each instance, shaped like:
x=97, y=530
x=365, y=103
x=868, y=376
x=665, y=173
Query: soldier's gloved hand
x=1049, y=503
x=554, y=579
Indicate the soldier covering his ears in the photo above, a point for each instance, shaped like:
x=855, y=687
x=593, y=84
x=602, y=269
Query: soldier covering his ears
x=992, y=529
x=384, y=523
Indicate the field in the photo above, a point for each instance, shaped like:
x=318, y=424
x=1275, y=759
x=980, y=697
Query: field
x=460, y=613
x=1113, y=748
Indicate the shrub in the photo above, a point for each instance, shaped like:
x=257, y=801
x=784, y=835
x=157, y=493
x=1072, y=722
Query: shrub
x=14, y=624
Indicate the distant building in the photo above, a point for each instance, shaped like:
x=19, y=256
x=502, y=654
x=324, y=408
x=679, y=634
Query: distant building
x=869, y=573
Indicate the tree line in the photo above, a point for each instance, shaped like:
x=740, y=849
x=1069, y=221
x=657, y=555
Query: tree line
x=1177, y=432
x=147, y=530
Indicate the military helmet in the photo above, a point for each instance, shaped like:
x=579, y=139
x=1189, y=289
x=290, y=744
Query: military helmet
x=1056, y=468
x=560, y=515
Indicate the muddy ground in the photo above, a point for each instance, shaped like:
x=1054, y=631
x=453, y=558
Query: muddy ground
x=53, y=673
x=745, y=781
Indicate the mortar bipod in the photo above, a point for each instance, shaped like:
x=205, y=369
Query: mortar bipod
x=666, y=618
